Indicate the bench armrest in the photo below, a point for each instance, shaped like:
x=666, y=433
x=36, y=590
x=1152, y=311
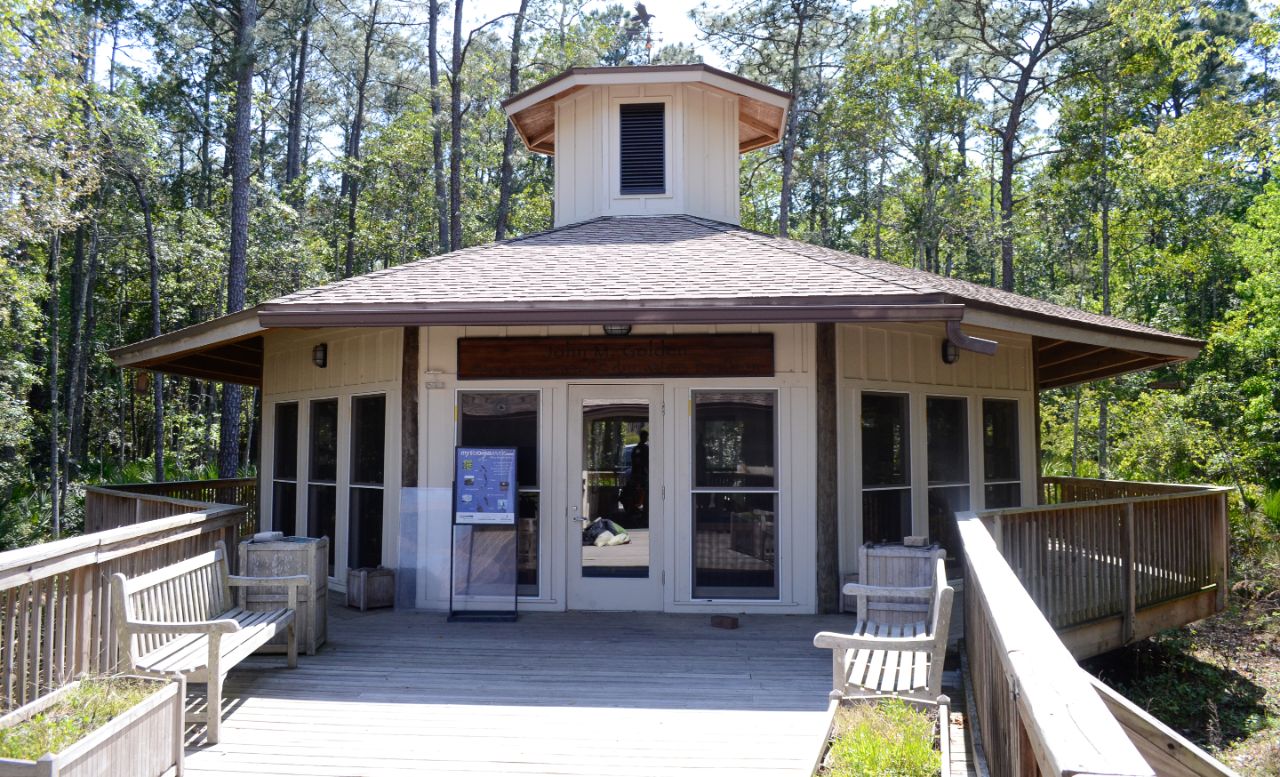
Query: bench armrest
x=290, y=581
x=222, y=626
x=828, y=639
x=919, y=592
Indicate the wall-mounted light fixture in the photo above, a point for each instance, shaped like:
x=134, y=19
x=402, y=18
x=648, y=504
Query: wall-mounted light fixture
x=617, y=330
x=320, y=355
x=950, y=353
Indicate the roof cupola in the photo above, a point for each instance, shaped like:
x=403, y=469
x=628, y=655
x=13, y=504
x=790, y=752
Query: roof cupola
x=650, y=140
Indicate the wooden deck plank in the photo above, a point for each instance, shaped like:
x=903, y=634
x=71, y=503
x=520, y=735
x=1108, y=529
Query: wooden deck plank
x=574, y=694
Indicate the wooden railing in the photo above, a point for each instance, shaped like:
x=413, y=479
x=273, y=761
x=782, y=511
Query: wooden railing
x=237, y=491
x=1061, y=490
x=55, y=611
x=1105, y=572
x=1037, y=712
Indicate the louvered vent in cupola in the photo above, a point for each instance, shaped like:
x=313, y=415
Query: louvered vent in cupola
x=642, y=146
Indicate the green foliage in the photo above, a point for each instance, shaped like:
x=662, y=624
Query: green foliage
x=875, y=739
x=84, y=709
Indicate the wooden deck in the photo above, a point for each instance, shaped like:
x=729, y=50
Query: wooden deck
x=573, y=693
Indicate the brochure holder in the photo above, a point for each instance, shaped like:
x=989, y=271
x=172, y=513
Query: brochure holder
x=485, y=543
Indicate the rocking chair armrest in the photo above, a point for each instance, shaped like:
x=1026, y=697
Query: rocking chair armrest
x=220, y=626
x=914, y=592
x=834, y=641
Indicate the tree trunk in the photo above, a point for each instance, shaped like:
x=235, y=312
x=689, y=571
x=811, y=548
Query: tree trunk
x=793, y=122
x=55, y=475
x=351, y=172
x=455, y=133
x=293, y=148
x=437, y=137
x=153, y=261
x=509, y=138
x=237, y=269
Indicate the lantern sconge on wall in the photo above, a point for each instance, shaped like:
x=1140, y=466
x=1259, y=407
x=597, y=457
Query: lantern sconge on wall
x=320, y=355
x=950, y=353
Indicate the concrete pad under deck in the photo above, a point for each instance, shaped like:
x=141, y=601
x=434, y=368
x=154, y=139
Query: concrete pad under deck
x=573, y=693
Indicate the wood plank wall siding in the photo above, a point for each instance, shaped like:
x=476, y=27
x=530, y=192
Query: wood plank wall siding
x=114, y=512
x=638, y=356
x=1038, y=713
x=1133, y=559
x=55, y=603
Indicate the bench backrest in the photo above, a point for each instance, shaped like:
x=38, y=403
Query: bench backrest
x=194, y=589
x=896, y=566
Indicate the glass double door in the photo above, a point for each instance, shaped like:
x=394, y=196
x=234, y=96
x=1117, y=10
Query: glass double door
x=615, y=503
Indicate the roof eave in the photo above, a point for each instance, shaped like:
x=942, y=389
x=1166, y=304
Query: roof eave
x=591, y=76
x=905, y=308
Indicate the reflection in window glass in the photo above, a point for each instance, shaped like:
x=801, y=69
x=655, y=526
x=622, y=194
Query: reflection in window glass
x=886, y=467
x=735, y=519
x=368, y=454
x=509, y=419
x=322, y=491
x=368, y=438
x=284, y=487
x=947, y=422
x=1002, y=474
x=615, y=460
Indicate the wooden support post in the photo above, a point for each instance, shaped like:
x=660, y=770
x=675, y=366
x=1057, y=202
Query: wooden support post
x=1222, y=551
x=1130, y=575
x=409, y=409
x=827, y=503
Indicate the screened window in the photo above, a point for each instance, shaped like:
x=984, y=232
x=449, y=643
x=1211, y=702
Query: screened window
x=284, y=471
x=735, y=495
x=322, y=473
x=509, y=419
x=886, y=467
x=947, y=420
x=368, y=459
x=642, y=148
x=1002, y=475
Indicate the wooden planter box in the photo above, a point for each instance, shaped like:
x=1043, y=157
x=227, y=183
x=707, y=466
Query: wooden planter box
x=145, y=741
x=371, y=587
x=283, y=558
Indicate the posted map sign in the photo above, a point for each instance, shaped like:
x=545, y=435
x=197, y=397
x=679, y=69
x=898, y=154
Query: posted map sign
x=485, y=486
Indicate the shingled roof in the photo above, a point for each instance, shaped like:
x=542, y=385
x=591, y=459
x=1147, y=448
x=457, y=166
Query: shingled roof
x=624, y=266
x=661, y=269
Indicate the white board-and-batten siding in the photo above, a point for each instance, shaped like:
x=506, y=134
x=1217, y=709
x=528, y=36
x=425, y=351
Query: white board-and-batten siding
x=360, y=361
x=907, y=359
x=701, y=154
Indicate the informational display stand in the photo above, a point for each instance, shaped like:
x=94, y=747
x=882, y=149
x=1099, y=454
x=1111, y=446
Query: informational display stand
x=485, y=541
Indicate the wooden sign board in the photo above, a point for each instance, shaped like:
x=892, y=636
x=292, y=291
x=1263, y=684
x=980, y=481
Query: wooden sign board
x=633, y=356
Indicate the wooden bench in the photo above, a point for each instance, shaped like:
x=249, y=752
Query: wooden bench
x=883, y=659
x=182, y=620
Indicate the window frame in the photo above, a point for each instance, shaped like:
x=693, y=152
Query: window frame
x=298, y=459
x=544, y=567
x=775, y=490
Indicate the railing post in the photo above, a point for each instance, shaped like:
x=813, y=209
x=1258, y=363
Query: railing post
x=1130, y=575
x=998, y=532
x=1223, y=549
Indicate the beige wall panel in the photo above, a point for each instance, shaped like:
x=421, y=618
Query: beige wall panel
x=923, y=359
x=911, y=353
x=899, y=356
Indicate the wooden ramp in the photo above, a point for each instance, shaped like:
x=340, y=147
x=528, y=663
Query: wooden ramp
x=576, y=694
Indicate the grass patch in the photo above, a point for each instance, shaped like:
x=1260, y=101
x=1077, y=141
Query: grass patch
x=86, y=708
x=886, y=739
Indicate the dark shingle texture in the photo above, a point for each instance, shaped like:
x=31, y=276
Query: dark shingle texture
x=680, y=258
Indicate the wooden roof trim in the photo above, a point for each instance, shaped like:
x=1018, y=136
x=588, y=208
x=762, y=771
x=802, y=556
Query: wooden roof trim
x=1040, y=325
x=218, y=331
x=641, y=74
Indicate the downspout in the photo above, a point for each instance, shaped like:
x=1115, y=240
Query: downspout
x=968, y=342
